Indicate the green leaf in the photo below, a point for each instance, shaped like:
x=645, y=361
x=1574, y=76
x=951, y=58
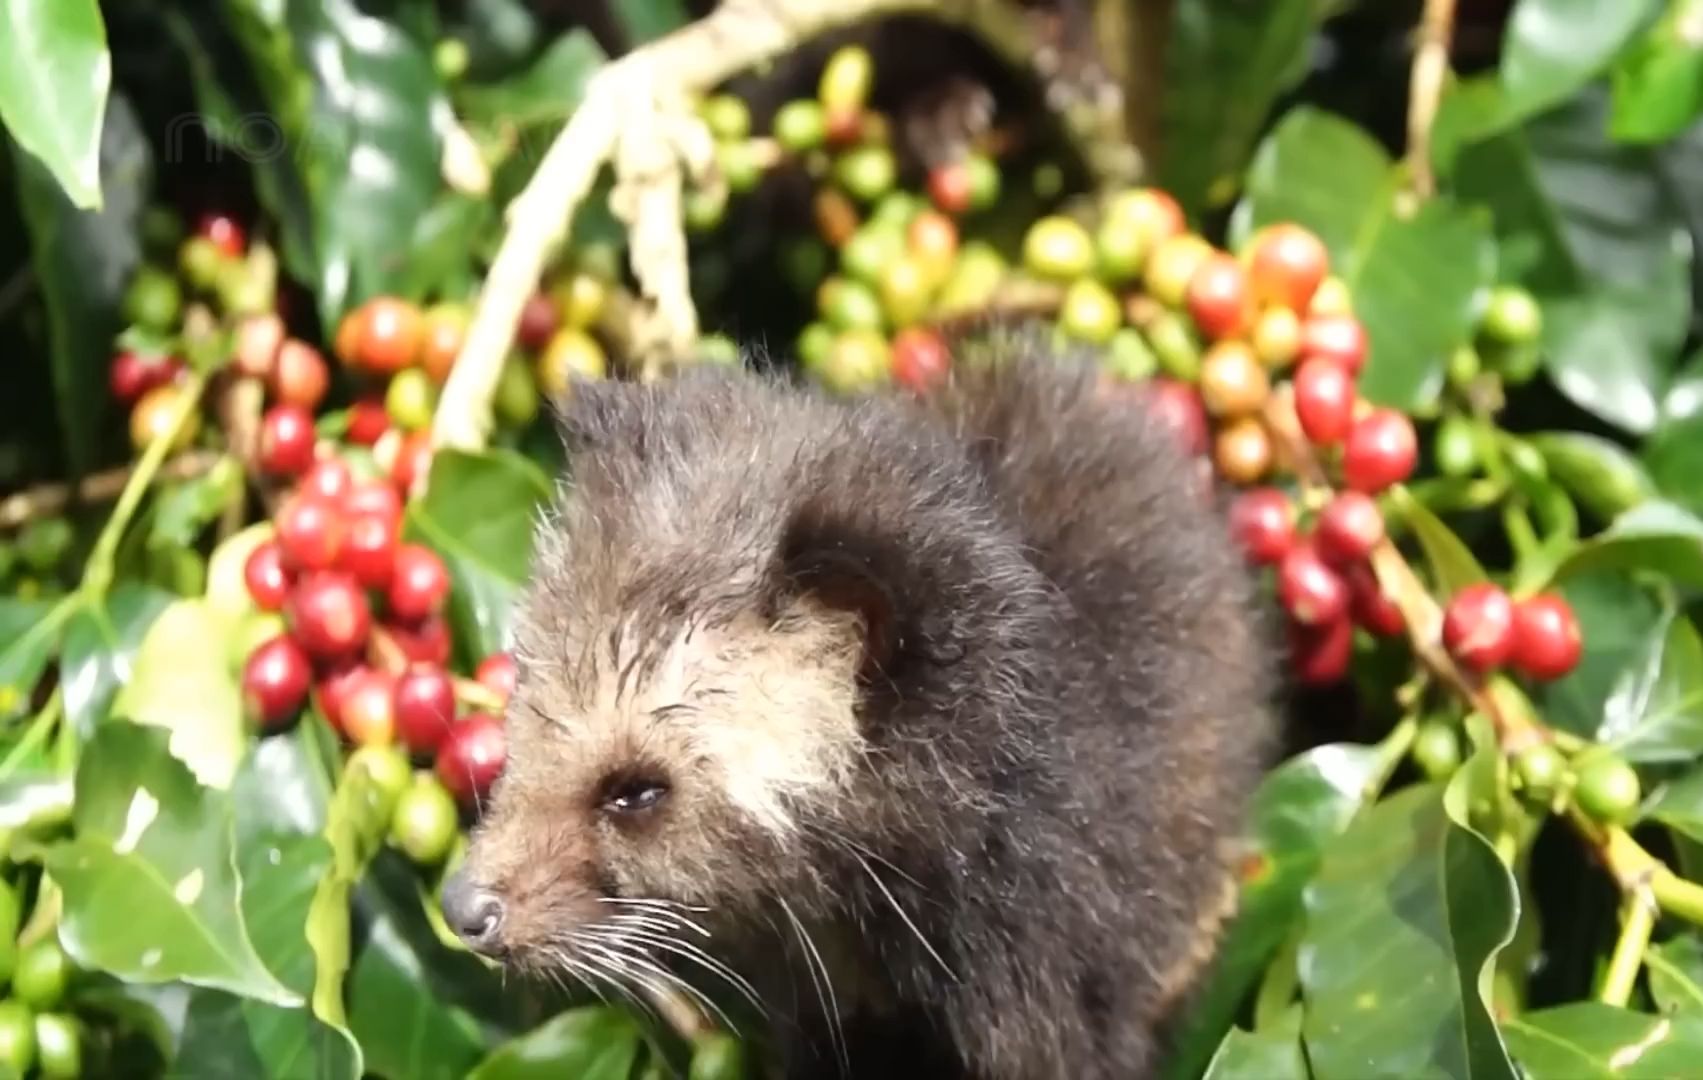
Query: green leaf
x=1676, y=974
x=1414, y=275
x=1225, y=66
x=187, y=508
x=1596, y=230
x=230, y=1036
x=443, y=240
x=1552, y=48
x=1622, y=618
x=358, y=101
x=1678, y=804
x=1404, y=919
x=1674, y=456
x=1299, y=808
x=548, y=90
x=1657, y=537
x=101, y=641
x=420, y=1010
x=1591, y=1041
x=1452, y=563
x=29, y=635
x=1602, y=476
x=647, y=20
x=478, y=512
x=1655, y=711
x=55, y=73
x=590, y=1043
x=1270, y=1054
x=1658, y=83
x=147, y=832
x=1684, y=399
x=182, y=683
x=83, y=263
x=284, y=784
x=31, y=801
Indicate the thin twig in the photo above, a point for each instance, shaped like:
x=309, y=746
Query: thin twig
x=1628, y=957
x=49, y=499
x=1425, y=90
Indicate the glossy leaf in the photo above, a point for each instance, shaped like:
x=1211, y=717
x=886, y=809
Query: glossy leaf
x=83, y=263
x=180, y=684
x=1552, y=48
x=1592, y=1041
x=1273, y=1053
x=284, y=785
x=1658, y=83
x=55, y=73
x=548, y=90
x=590, y=1043
x=1678, y=804
x=1595, y=229
x=1453, y=565
x=1676, y=975
x=1601, y=475
x=420, y=1010
x=1654, y=712
x=1684, y=399
x=1408, y=910
x=29, y=635
x=1674, y=456
x=230, y=1036
x=100, y=647
x=1656, y=537
x=1225, y=66
x=1296, y=812
x=358, y=100
x=478, y=513
x=146, y=831
x=1414, y=276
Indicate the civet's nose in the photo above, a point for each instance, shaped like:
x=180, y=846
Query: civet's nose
x=474, y=913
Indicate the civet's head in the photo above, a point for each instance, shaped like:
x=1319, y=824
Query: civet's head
x=723, y=588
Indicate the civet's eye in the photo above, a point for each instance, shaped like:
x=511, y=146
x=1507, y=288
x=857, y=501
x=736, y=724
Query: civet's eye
x=632, y=793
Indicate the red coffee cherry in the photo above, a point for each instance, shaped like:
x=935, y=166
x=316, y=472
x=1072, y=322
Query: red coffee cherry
x=1263, y=521
x=310, y=532
x=1337, y=338
x=921, y=361
x=374, y=497
x=1218, y=296
x=496, y=673
x=1285, y=266
x=1547, y=642
x=225, y=231
x=419, y=583
x=1370, y=609
x=949, y=187
x=267, y=578
x=333, y=688
x=1478, y=627
x=1319, y=655
x=1382, y=449
x=299, y=374
x=368, y=421
x=1178, y=407
x=1324, y=401
x=1349, y=528
x=368, y=710
x=369, y=550
x=424, y=642
x=328, y=614
x=1312, y=592
x=275, y=681
x=286, y=440
x=425, y=707
x=472, y=757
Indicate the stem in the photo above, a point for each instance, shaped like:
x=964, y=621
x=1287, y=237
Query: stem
x=97, y=575
x=48, y=499
x=1637, y=921
x=1522, y=537
x=1391, y=750
x=1677, y=896
x=478, y=697
x=1425, y=90
x=36, y=734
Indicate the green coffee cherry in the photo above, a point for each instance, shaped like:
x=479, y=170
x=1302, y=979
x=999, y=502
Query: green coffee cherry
x=703, y=208
x=1120, y=247
x=1512, y=317
x=984, y=181
x=739, y=166
x=17, y=1037
x=904, y=291
x=852, y=305
x=1455, y=448
x=869, y=250
x=425, y=823
x=1607, y=789
x=411, y=399
x=1058, y=248
x=1090, y=312
x=200, y=260
x=1437, y=749
x=727, y=116
x=1540, y=770
x=58, y=1046
x=43, y=970
x=866, y=172
x=516, y=403
x=858, y=360
x=846, y=79
x=1128, y=355
x=153, y=300
x=44, y=543
x=814, y=341
x=1464, y=366
x=800, y=126
x=1173, y=341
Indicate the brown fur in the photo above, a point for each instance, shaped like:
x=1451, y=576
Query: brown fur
x=972, y=689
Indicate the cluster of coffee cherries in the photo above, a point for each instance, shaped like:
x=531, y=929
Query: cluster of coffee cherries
x=145, y=374
x=363, y=632
x=39, y=1034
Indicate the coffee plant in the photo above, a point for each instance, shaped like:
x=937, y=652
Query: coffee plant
x=287, y=288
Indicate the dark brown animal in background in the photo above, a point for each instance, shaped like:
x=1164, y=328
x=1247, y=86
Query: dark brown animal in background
x=936, y=717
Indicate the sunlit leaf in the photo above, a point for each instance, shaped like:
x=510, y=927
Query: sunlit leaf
x=55, y=73
x=1591, y=1041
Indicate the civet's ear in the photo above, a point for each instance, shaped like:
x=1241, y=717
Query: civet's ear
x=848, y=571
